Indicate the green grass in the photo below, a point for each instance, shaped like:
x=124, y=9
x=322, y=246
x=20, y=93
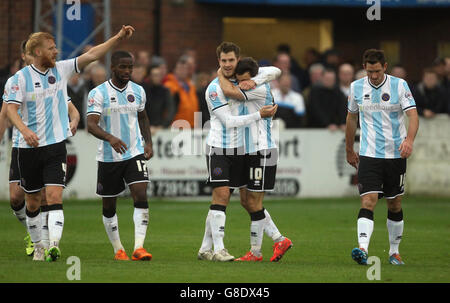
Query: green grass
x=323, y=232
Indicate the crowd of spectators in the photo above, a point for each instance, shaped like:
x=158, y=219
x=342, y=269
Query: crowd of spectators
x=322, y=87
x=310, y=95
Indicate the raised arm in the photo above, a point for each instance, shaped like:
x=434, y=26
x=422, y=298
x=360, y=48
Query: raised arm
x=265, y=74
x=100, y=50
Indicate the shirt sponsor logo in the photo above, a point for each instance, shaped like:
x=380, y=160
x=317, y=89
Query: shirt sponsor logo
x=379, y=107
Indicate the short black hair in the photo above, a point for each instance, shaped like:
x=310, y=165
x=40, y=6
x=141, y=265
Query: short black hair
x=117, y=55
x=374, y=56
x=247, y=64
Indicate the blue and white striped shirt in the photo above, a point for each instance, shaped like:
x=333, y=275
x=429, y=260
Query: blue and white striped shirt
x=381, y=115
x=43, y=101
x=118, y=110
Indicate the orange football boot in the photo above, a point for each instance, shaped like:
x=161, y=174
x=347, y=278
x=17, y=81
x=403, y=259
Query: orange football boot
x=121, y=255
x=141, y=254
x=249, y=257
x=280, y=248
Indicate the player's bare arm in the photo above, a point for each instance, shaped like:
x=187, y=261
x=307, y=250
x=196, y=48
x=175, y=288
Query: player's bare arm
x=30, y=137
x=406, y=147
x=229, y=90
x=3, y=120
x=144, y=125
x=100, y=50
x=265, y=74
x=92, y=124
x=350, y=131
x=74, y=118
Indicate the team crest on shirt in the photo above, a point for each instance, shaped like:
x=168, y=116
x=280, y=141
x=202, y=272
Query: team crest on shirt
x=385, y=97
x=51, y=80
x=130, y=98
x=217, y=171
x=213, y=96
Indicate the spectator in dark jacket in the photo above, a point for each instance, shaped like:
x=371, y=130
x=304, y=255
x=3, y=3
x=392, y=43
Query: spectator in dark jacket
x=160, y=106
x=429, y=95
x=327, y=104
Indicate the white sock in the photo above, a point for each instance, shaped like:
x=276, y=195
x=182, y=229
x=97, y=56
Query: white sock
x=271, y=229
x=256, y=236
x=21, y=215
x=55, y=226
x=34, y=226
x=45, y=233
x=218, y=229
x=207, y=241
x=112, y=230
x=395, y=229
x=365, y=229
x=140, y=218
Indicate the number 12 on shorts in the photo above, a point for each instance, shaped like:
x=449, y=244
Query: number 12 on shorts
x=256, y=173
x=141, y=165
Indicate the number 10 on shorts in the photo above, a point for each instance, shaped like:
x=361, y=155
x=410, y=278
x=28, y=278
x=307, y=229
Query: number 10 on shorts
x=256, y=173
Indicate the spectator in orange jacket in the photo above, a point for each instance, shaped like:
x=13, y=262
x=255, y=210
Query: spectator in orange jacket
x=183, y=91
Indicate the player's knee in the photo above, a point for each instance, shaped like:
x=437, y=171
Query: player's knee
x=394, y=205
x=16, y=199
x=221, y=195
x=53, y=197
x=140, y=196
x=369, y=201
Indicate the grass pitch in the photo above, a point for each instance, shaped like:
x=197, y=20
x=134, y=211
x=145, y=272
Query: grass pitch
x=323, y=232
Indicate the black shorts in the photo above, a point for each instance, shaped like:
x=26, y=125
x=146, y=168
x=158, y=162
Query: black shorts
x=383, y=176
x=42, y=166
x=112, y=176
x=226, y=167
x=14, y=173
x=261, y=170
